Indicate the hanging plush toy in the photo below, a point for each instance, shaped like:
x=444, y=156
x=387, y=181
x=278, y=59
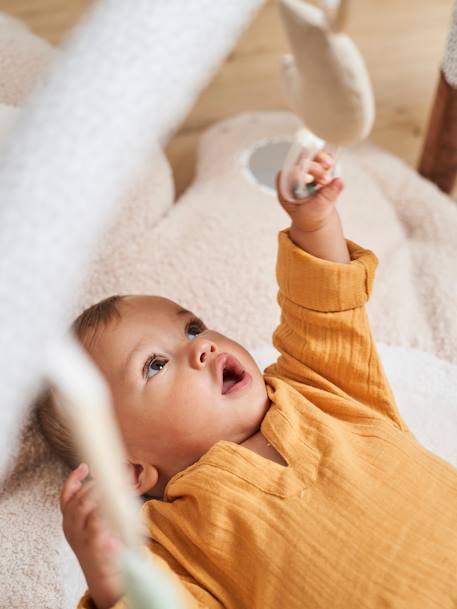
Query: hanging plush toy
x=327, y=86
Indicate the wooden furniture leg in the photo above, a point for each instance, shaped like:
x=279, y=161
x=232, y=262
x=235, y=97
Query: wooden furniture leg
x=438, y=160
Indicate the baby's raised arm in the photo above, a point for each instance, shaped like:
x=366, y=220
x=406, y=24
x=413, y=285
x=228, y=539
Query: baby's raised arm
x=324, y=335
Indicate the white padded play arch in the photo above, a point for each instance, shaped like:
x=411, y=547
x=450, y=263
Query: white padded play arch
x=125, y=79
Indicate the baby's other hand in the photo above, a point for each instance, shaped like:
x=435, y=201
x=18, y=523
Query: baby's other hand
x=311, y=213
x=96, y=548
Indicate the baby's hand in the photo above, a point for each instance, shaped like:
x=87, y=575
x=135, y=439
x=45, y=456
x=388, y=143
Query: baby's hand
x=96, y=548
x=313, y=212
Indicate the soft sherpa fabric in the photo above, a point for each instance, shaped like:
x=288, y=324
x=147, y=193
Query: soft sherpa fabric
x=148, y=198
x=24, y=59
x=8, y=116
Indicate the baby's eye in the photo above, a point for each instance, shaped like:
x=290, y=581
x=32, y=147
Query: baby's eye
x=195, y=325
x=153, y=365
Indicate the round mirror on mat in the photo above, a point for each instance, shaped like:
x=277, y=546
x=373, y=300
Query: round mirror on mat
x=262, y=161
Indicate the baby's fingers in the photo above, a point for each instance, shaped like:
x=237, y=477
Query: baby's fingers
x=325, y=159
x=99, y=531
x=73, y=484
x=318, y=172
x=85, y=502
x=328, y=194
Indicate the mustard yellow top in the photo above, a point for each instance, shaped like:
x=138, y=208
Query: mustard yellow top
x=362, y=517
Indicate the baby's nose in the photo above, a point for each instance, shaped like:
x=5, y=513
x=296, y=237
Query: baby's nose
x=201, y=348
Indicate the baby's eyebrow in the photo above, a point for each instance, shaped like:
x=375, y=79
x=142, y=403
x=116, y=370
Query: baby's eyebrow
x=182, y=312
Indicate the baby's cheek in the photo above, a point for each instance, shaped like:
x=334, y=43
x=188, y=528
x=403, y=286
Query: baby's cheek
x=198, y=420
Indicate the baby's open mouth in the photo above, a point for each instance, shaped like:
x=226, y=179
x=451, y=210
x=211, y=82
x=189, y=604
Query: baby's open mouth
x=230, y=373
x=230, y=378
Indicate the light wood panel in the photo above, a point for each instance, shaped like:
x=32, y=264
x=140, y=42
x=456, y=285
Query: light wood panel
x=402, y=42
x=50, y=19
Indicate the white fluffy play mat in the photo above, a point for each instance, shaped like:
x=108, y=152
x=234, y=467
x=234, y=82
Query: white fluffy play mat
x=57, y=260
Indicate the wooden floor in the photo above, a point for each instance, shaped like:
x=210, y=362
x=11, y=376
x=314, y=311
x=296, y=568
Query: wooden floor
x=402, y=42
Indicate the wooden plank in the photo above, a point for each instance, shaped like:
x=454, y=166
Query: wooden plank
x=50, y=19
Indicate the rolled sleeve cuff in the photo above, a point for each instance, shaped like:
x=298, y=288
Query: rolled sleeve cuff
x=323, y=285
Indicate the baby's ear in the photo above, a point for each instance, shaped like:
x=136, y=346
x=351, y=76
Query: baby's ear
x=144, y=477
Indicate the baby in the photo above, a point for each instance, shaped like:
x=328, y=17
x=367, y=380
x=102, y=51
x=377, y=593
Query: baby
x=298, y=488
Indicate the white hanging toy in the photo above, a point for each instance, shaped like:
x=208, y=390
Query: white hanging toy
x=327, y=86
x=84, y=398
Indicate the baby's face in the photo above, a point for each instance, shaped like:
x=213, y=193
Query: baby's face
x=166, y=380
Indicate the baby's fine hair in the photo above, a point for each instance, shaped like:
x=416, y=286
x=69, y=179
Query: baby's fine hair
x=50, y=421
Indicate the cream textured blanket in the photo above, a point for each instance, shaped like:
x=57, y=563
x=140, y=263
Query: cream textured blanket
x=214, y=251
